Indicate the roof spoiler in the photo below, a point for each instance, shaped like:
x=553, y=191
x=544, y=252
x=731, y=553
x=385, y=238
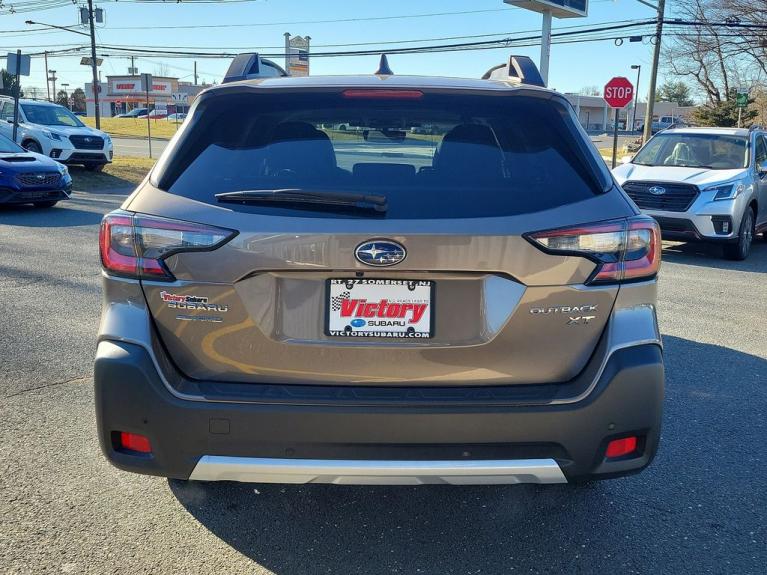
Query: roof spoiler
x=519, y=69
x=250, y=65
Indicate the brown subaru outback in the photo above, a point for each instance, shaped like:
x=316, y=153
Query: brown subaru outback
x=379, y=279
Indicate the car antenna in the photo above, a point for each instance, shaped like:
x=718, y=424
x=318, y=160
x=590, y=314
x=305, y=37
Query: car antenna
x=383, y=67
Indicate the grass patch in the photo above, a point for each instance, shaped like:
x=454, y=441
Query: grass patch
x=122, y=173
x=134, y=128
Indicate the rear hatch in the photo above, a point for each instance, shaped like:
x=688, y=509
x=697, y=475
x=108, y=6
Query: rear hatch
x=429, y=278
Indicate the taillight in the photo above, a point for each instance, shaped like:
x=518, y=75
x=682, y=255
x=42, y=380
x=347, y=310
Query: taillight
x=134, y=245
x=625, y=250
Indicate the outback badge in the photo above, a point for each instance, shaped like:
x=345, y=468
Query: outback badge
x=380, y=253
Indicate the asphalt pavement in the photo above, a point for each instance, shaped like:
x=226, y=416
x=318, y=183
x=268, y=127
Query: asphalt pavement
x=700, y=508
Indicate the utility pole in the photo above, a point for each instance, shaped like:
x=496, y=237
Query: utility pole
x=545, y=46
x=195, y=72
x=132, y=70
x=638, y=68
x=654, y=72
x=47, y=83
x=66, y=94
x=94, y=66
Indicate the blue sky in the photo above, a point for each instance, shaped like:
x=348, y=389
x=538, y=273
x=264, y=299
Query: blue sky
x=573, y=66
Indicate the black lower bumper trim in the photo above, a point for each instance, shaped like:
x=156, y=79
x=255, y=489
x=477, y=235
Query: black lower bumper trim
x=130, y=396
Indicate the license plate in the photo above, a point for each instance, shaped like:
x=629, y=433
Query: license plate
x=380, y=308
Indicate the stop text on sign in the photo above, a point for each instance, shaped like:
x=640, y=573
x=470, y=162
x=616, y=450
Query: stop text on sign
x=618, y=92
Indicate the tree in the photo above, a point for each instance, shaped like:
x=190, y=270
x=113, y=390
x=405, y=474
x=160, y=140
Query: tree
x=78, y=100
x=590, y=91
x=62, y=99
x=9, y=84
x=678, y=92
x=724, y=113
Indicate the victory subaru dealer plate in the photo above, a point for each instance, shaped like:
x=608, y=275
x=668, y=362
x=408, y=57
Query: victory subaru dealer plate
x=379, y=308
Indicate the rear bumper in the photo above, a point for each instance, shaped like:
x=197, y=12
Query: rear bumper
x=303, y=440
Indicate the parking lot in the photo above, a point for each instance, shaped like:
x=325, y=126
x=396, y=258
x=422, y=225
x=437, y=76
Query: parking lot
x=700, y=508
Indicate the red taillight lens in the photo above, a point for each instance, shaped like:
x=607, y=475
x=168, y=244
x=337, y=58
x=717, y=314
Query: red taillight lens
x=134, y=442
x=624, y=249
x=134, y=245
x=621, y=447
x=384, y=94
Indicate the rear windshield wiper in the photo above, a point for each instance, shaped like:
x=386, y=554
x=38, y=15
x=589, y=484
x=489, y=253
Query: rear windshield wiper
x=313, y=198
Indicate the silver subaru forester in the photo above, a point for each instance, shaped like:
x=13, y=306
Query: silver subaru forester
x=703, y=184
x=380, y=279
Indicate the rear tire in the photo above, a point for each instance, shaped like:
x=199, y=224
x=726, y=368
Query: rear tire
x=32, y=146
x=740, y=250
x=95, y=167
x=48, y=204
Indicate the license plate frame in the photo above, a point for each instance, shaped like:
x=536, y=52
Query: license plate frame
x=369, y=285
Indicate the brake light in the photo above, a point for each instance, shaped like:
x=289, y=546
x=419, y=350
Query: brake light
x=384, y=94
x=135, y=246
x=625, y=250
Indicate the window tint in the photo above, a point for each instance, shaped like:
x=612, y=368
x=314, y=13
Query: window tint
x=437, y=156
x=761, y=150
x=714, y=151
x=50, y=115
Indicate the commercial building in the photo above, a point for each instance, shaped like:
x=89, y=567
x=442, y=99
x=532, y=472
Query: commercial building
x=120, y=94
x=595, y=115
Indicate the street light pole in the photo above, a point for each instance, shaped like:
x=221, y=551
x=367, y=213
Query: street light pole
x=52, y=78
x=638, y=68
x=94, y=64
x=654, y=71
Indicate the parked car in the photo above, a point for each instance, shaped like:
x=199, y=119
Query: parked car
x=177, y=117
x=54, y=131
x=665, y=122
x=702, y=184
x=158, y=114
x=134, y=113
x=29, y=178
x=283, y=307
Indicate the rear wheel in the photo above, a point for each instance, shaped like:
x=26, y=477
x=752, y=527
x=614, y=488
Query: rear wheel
x=48, y=204
x=95, y=167
x=740, y=250
x=33, y=146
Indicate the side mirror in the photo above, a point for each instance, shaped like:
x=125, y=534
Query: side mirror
x=761, y=169
x=9, y=119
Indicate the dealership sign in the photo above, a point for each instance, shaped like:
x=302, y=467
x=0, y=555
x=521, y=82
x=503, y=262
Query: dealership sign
x=134, y=87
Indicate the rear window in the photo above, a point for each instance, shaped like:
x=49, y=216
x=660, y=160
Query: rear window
x=432, y=156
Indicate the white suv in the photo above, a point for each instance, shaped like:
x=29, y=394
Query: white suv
x=56, y=132
x=704, y=184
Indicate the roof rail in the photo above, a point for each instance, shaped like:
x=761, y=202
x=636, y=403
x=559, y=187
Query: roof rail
x=519, y=69
x=250, y=65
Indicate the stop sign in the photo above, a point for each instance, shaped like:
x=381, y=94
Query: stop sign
x=618, y=92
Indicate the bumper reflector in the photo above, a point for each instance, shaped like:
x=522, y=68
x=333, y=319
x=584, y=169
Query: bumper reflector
x=621, y=447
x=134, y=442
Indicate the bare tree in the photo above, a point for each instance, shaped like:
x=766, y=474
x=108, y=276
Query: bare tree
x=715, y=56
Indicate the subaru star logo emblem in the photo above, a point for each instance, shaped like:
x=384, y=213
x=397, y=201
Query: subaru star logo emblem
x=87, y=139
x=40, y=176
x=657, y=190
x=380, y=253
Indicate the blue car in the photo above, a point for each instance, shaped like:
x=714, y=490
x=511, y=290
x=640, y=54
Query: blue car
x=29, y=178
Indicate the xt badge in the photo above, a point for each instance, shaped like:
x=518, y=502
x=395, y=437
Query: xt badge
x=580, y=320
